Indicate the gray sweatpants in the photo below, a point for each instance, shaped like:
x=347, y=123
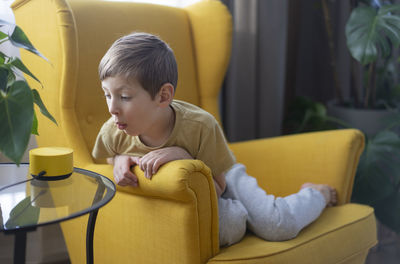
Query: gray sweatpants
x=245, y=205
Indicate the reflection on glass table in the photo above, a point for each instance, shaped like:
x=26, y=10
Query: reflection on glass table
x=26, y=203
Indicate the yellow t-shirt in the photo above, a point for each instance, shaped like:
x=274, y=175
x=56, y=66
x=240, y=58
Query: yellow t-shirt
x=195, y=130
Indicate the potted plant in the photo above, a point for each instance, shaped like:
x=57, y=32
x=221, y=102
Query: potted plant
x=373, y=37
x=17, y=114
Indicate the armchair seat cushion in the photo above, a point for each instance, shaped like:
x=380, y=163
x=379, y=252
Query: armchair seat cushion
x=340, y=234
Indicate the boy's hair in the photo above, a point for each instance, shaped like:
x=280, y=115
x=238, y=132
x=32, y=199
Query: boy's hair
x=142, y=56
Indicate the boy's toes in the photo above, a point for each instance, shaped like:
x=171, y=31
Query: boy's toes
x=333, y=197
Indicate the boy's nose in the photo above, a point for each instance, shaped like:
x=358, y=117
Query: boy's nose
x=113, y=109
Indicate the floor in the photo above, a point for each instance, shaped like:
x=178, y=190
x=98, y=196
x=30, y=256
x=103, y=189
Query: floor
x=384, y=255
x=44, y=246
x=388, y=249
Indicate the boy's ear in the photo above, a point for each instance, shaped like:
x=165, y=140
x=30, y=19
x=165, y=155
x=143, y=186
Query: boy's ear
x=166, y=94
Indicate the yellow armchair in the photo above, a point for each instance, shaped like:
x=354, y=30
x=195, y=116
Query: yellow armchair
x=174, y=217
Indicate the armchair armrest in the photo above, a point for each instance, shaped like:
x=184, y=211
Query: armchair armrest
x=186, y=182
x=282, y=164
x=172, y=181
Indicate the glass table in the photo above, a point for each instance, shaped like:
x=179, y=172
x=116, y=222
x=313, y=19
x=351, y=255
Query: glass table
x=26, y=203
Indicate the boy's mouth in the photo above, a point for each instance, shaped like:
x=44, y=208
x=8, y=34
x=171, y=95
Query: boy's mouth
x=121, y=126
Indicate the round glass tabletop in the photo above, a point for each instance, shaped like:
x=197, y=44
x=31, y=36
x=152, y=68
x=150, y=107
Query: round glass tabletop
x=27, y=203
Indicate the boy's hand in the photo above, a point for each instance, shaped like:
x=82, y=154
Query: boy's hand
x=217, y=188
x=152, y=161
x=122, y=170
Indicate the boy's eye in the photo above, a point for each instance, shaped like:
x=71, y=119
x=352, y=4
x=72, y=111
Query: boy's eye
x=107, y=96
x=125, y=98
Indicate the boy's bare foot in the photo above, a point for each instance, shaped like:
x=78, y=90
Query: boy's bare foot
x=327, y=191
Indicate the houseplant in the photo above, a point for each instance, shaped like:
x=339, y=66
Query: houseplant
x=373, y=37
x=377, y=181
x=17, y=99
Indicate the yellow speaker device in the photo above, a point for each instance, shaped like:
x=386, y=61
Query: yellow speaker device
x=51, y=163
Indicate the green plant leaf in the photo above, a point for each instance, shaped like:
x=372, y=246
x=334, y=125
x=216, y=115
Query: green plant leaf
x=373, y=186
x=38, y=101
x=305, y=115
x=23, y=214
x=2, y=58
x=3, y=78
x=378, y=171
x=19, y=39
x=3, y=35
x=11, y=78
x=368, y=31
x=35, y=125
x=386, y=139
x=384, y=45
x=17, y=63
x=320, y=109
x=16, y=111
x=388, y=211
x=392, y=120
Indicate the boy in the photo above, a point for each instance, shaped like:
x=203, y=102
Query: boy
x=149, y=128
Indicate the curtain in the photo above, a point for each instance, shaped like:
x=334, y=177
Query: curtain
x=310, y=71
x=281, y=50
x=253, y=93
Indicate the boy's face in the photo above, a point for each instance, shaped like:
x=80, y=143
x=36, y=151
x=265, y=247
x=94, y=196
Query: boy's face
x=131, y=106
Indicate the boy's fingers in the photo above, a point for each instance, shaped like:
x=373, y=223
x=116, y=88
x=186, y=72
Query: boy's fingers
x=125, y=181
x=149, y=171
x=149, y=164
x=142, y=165
x=135, y=160
x=120, y=181
x=157, y=165
x=129, y=175
x=129, y=182
x=153, y=166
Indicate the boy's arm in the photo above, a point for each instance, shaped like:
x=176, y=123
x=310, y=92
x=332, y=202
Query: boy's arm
x=149, y=163
x=152, y=161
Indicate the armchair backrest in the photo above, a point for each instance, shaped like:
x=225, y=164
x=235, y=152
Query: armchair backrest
x=75, y=34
